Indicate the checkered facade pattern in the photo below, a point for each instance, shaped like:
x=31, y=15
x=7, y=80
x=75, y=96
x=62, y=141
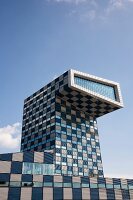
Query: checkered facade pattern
x=60, y=154
x=38, y=128
x=53, y=119
x=77, y=148
x=18, y=184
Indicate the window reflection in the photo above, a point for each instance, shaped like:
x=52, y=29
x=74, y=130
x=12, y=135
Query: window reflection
x=37, y=168
x=102, y=89
x=27, y=168
x=48, y=169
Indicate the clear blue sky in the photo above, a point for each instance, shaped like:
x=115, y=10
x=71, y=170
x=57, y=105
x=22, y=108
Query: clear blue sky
x=40, y=39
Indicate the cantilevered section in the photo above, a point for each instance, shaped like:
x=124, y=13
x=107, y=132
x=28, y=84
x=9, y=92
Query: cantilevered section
x=92, y=94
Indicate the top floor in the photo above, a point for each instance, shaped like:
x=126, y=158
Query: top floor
x=93, y=95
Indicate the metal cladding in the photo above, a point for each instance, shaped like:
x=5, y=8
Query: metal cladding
x=91, y=94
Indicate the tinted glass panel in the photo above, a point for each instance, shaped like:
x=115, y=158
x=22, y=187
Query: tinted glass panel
x=36, y=168
x=77, y=195
x=4, y=177
x=58, y=193
x=14, y=193
x=102, y=89
x=6, y=157
x=37, y=193
x=27, y=168
x=16, y=167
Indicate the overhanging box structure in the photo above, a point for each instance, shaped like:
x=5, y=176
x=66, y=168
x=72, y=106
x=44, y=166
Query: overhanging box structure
x=60, y=154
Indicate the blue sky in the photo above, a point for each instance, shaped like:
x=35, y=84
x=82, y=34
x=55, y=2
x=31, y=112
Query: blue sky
x=41, y=39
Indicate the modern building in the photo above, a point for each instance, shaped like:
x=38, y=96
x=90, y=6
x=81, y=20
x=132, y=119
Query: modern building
x=60, y=154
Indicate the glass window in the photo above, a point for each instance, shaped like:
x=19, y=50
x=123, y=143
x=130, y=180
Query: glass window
x=48, y=169
x=67, y=185
x=15, y=184
x=37, y=184
x=100, y=88
x=124, y=186
x=48, y=184
x=93, y=185
x=117, y=186
x=101, y=185
x=130, y=187
x=109, y=185
x=37, y=168
x=76, y=185
x=85, y=185
x=27, y=168
x=56, y=184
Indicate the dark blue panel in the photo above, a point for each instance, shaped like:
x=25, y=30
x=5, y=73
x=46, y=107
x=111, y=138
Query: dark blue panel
x=101, y=180
x=58, y=193
x=130, y=181
x=85, y=180
x=110, y=194
x=16, y=167
x=67, y=179
x=27, y=178
x=4, y=177
x=94, y=194
x=6, y=157
x=14, y=193
x=28, y=157
x=116, y=181
x=47, y=178
x=37, y=193
x=125, y=194
x=65, y=74
x=77, y=194
x=48, y=158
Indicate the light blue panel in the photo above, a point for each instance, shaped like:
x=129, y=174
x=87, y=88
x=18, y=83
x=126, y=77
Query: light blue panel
x=37, y=168
x=102, y=89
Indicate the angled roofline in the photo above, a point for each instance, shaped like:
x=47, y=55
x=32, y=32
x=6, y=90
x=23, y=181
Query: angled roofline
x=71, y=84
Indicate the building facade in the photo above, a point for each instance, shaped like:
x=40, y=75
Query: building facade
x=30, y=176
x=60, y=154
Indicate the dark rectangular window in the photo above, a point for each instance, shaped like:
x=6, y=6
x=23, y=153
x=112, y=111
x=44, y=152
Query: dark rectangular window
x=48, y=158
x=116, y=181
x=110, y=194
x=16, y=167
x=67, y=179
x=63, y=159
x=4, y=177
x=85, y=180
x=47, y=178
x=37, y=193
x=58, y=193
x=125, y=194
x=27, y=178
x=28, y=157
x=77, y=194
x=94, y=193
x=6, y=157
x=101, y=180
x=14, y=193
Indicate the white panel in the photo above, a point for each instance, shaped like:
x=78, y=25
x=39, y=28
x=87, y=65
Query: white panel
x=3, y=193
